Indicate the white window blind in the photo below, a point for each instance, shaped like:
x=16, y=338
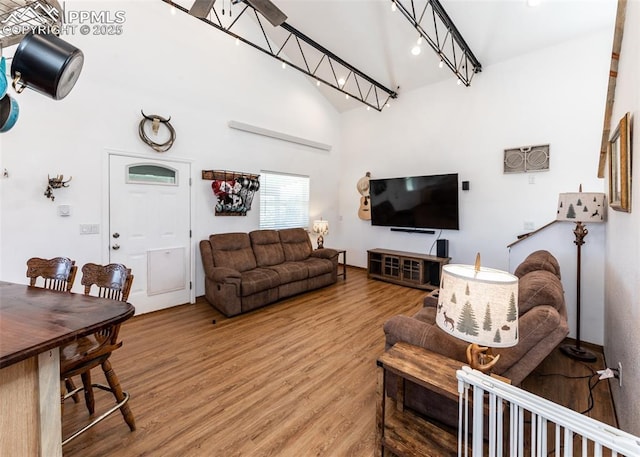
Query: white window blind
x=284, y=200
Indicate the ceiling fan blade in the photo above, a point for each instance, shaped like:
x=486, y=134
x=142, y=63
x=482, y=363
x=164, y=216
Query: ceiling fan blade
x=201, y=8
x=268, y=10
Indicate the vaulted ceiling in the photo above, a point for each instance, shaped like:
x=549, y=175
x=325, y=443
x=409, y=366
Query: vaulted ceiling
x=378, y=41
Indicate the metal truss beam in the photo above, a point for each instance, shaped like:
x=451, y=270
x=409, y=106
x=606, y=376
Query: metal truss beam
x=435, y=26
x=295, y=49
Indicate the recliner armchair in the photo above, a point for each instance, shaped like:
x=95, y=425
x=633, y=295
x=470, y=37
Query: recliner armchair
x=542, y=325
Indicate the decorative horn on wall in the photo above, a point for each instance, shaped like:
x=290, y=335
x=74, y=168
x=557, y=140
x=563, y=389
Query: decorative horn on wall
x=56, y=183
x=156, y=121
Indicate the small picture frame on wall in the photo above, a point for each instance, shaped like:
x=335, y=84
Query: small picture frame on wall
x=620, y=166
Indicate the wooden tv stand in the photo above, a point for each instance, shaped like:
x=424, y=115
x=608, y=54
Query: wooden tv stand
x=405, y=268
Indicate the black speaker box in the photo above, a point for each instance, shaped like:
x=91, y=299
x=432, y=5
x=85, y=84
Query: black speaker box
x=442, y=248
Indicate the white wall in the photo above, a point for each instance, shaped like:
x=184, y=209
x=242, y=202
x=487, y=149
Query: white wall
x=622, y=270
x=171, y=65
x=555, y=96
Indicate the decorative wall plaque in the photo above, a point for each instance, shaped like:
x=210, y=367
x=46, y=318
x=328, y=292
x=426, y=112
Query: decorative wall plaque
x=526, y=159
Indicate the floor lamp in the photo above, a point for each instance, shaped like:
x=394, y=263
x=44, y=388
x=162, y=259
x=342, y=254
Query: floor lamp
x=580, y=207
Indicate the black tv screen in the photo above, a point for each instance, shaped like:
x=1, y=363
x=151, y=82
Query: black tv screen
x=415, y=202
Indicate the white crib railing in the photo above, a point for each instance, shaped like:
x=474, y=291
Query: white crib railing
x=498, y=419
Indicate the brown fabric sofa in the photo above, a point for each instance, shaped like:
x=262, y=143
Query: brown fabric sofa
x=542, y=325
x=244, y=271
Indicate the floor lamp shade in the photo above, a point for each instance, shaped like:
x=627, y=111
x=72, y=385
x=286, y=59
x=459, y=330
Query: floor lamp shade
x=581, y=207
x=46, y=64
x=479, y=305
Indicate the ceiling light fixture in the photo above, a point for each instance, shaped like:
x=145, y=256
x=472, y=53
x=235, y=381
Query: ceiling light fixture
x=441, y=64
x=416, y=50
x=394, y=7
x=341, y=82
x=446, y=41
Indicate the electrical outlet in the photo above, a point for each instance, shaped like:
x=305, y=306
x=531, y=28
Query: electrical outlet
x=620, y=374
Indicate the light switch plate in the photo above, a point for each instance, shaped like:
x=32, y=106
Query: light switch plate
x=64, y=210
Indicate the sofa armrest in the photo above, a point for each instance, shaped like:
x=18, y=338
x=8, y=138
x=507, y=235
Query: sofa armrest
x=540, y=330
x=425, y=335
x=324, y=253
x=224, y=275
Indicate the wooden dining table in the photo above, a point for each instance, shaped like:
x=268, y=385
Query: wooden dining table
x=34, y=324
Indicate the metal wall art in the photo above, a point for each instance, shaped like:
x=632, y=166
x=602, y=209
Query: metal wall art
x=526, y=159
x=234, y=191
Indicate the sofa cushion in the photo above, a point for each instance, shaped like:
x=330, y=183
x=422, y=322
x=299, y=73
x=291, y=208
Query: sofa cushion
x=318, y=267
x=538, y=260
x=295, y=243
x=267, y=247
x=540, y=287
x=258, y=280
x=232, y=250
x=291, y=271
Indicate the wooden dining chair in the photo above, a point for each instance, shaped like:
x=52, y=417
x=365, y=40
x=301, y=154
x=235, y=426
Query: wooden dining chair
x=113, y=281
x=58, y=273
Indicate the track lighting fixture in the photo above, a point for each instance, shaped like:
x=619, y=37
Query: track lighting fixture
x=431, y=22
x=364, y=88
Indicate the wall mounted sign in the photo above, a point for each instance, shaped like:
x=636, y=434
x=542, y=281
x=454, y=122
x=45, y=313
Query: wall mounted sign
x=526, y=159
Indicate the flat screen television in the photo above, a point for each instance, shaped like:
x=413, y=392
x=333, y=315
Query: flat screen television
x=415, y=202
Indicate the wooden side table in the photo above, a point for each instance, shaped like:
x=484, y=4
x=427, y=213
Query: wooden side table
x=344, y=262
x=401, y=431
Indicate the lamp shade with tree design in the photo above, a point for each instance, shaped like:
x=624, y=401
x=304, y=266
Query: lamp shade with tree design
x=479, y=305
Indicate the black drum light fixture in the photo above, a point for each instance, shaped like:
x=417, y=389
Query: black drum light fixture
x=46, y=64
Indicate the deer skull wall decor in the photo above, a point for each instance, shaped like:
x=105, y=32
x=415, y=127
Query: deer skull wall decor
x=56, y=183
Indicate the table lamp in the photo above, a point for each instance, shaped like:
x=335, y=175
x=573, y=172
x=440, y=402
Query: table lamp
x=580, y=207
x=479, y=305
x=321, y=228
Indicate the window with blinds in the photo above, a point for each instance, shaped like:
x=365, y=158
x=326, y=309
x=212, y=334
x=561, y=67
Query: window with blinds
x=284, y=200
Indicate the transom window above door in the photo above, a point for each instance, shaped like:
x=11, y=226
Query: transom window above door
x=151, y=174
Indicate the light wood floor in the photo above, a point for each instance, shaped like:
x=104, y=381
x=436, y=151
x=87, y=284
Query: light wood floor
x=296, y=378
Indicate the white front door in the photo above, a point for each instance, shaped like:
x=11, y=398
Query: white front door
x=149, y=229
